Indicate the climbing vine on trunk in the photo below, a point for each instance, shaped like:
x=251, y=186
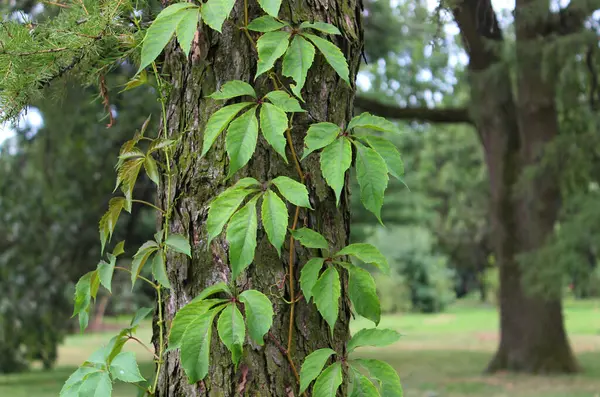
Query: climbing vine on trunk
x=246, y=316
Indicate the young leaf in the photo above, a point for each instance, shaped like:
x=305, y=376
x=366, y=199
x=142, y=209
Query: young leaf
x=140, y=258
x=97, y=384
x=336, y=158
x=140, y=315
x=109, y=219
x=273, y=123
x=274, y=216
x=159, y=270
x=195, y=347
x=296, y=62
x=151, y=169
x=215, y=12
x=326, y=292
x=271, y=46
x=213, y=289
x=312, y=366
x=186, y=317
x=309, y=276
x=218, y=122
x=232, y=331
x=329, y=381
x=333, y=55
x=367, y=120
x=284, y=101
x=294, y=192
x=309, y=238
x=266, y=23
x=368, y=254
x=362, y=386
x=373, y=337
x=233, y=89
x=119, y=248
x=372, y=176
x=127, y=176
x=241, y=235
x=363, y=294
x=271, y=7
x=160, y=32
x=390, y=154
x=179, y=243
x=186, y=28
x=390, y=382
x=318, y=136
x=242, y=135
x=223, y=206
x=105, y=272
x=259, y=314
x=321, y=27
x=125, y=368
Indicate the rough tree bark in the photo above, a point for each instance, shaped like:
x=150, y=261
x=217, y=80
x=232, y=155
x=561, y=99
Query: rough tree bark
x=532, y=333
x=218, y=58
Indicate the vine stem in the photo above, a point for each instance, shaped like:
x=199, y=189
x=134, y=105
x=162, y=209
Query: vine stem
x=133, y=338
x=138, y=276
x=149, y=205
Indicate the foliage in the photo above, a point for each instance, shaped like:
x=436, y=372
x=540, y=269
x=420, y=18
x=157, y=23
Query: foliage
x=191, y=330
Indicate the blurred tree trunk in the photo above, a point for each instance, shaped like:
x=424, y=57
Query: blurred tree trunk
x=216, y=59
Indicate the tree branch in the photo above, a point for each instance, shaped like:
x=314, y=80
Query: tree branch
x=446, y=115
x=571, y=19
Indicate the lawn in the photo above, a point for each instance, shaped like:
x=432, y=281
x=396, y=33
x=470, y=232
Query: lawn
x=439, y=355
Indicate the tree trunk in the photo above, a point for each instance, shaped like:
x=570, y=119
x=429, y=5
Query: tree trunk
x=218, y=58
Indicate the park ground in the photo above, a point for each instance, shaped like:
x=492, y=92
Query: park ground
x=440, y=355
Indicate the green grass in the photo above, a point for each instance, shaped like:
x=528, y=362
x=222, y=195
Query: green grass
x=439, y=355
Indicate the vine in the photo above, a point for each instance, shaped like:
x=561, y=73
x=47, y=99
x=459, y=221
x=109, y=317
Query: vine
x=235, y=210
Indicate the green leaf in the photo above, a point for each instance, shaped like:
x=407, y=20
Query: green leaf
x=310, y=239
x=179, y=243
x=312, y=366
x=363, y=294
x=97, y=384
x=294, y=192
x=390, y=382
x=242, y=135
x=109, y=219
x=241, y=235
x=296, y=62
x=362, y=386
x=215, y=12
x=222, y=207
x=309, y=276
x=274, y=216
x=83, y=299
x=368, y=254
x=284, y=101
x=321, y=27
x=218, y=122
x=119, y=248
x=259, y=314
x=266, y=23
x=186, y=28
x=159, y=270
x=105, y=272
x=367, y=120
x=213, y=289
x=125, y=368
x=390, y=154
x=127, y=176
x=333, y=55
x=372, y=176
x=273, y=123
x=373, y=337
x=185, y=317
x=233, y=89
x=232, y=331
x=140, y=258
x=329, y=381
x=271, y=7
x=160, y=33
x=152, y=169
x=140, y=315
x=336, y=158
x=318, y=136
x=326, y=292
x=72, y=384
x=271, y=46
x=195, y=347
